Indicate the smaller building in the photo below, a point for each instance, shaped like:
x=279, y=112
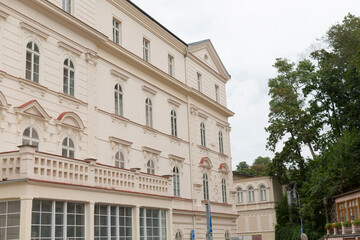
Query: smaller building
x=347, y=214
x=256, y=198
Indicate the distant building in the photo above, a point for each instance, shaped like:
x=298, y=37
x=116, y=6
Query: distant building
x=111, y=127
x=256, y=198
x=347, y=210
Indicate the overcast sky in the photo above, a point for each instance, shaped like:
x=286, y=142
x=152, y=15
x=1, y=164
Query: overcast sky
x=248, y=36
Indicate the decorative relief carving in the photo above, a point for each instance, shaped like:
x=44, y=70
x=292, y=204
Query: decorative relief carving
x=116, y=142
x=119, y=119
x=32, y=86
x=151, y=153
x=149, y=130
x=193, y=110
x=91, y=57
x=174, y=140
x=69, y=100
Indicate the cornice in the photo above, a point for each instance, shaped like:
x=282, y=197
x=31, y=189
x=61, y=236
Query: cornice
x=34, y=30
x=3, y=15
x=149, y=24
x=149, y=90
x=120, y=141
x=151, y=150
x=118, y=75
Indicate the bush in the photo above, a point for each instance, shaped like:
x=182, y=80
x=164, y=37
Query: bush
x=328, y=226
x=347, y=224
x=337, y=225
x=356, y=222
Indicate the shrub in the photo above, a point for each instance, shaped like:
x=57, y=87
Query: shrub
x=328, y=226
x=337, y=225
x=347, y=224
x=356, y=222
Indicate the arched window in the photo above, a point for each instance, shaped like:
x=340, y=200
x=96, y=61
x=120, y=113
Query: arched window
x=148, y=112
x=176, y=181
x=30, y=137
x=221, y=142
x=66, y=5
x=202, y=134
x=178, y=235
x=68, y=148
x=68, y=77
x=239, y=194
x=32, y=62
x=263, y=193
x=173, y=123
x=251, y=194
x=150, y=167
x=206, y=186
x=119, y=160
x=227, y=235
x=118, y=97
x=223, y=190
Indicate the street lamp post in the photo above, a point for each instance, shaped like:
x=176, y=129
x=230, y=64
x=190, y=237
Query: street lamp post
x=325, y=205
x=297, y=196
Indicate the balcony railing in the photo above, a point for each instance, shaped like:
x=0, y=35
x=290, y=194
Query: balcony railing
x=30, y=164
x=344, y=230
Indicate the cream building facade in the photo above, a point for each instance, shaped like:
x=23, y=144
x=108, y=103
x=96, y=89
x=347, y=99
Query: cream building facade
x=111, y=127
x=256, y=198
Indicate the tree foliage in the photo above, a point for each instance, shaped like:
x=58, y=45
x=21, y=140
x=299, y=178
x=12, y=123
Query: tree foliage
x=315, y=104
x=258, y=168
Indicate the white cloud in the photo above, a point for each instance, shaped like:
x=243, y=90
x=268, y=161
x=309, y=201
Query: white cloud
x=249, y=36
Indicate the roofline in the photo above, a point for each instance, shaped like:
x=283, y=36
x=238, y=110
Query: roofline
x=151, y=18
x=346, y=193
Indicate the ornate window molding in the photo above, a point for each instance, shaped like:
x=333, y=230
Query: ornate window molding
x=116, y=142
x=34, y=30
x=67, y=47
x=149, y=90
x=118, y=75
x=205, y=162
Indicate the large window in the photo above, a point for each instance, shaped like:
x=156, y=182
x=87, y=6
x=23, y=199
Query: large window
x=116, y=31
x=150, y=167
x=119, y=160
x=10, y=220
x=173, y=123
x=52, y=220
x=171, y=65
x=262, y=193
x=353, y=209
x=342, y=212
x=118, y=98
x=239, y=195
x=221, y=142
x=202, y=134
x=66, y=5
x=223, y=190
x=176, y=181
x=30, y=137
x=68, y=148
x=32, y=62
x=152, y=224
x=146, y=50
x=68, y=77
x=206, y=186
x=251, y=194
x=148, y=112
x=112, y=222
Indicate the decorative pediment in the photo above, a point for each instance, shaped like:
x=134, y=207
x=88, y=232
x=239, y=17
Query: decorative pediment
x=206, y=53
x=70, y=119
x=205, y=162
x=116, y=142
x=176, y=158
x=173, y=102
x=224, y=168
x=149, y=90
x=69, y=48
x=34, y=30
x=34, y=109
x=118, y=75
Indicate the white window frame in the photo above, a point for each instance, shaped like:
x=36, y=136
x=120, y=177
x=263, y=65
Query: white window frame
x=149, y=112
x=171, y=65
x=217, y=96
x=67, y=5
x=173, y=123
x=239, y=194
x=64, y=225
x=221, y=142
x=119, y=160
x=32, y=62
x=178, y=235
x=223, y=190
x=68, y=148
x=203, y=134
x=150, y=166
x=176, y=181
x=146, y=50
x=31, y=139
x=251, y=194
x=109, y=215
x=199, y=82
x=9, y=214
x=116, y=26
x=69, y=77
x=206, y=186
x=160, y=223
x=262, y=193
x=118, y=100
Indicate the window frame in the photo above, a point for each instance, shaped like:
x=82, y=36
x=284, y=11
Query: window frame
x=119, y=99
x=223, y=190
x=221, y=142
x=173, y=123
x=116, y=31
x=206, y=194
x=119, y=159
x=70, y=150
x=69, y=76
x=161, y=220
x=199, y=82
x=150, y=166
x=171, y=65
x=8, y=214
x=176, y=181
x=217, y=93
x=262, y=191
x=149, y=112
x=30, y=138
x=251, y=194
x=146, y=50
x=202, y=134
x=67, y=6
x=30, y=65
x=239, y=195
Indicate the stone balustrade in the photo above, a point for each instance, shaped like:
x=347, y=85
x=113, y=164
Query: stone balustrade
x=344, y=230
x=30, y=164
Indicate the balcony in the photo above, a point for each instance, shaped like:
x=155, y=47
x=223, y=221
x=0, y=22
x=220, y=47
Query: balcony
x=342, y=231
x=26, y=163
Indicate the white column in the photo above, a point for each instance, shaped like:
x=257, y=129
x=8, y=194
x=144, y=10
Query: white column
x=170, y=224
x=136, y=221
x=25, y=218
x=89, y=219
